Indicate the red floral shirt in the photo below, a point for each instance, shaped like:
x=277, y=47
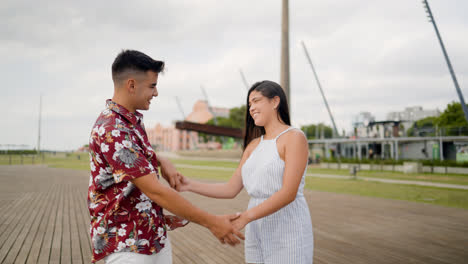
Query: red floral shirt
x=123, y=219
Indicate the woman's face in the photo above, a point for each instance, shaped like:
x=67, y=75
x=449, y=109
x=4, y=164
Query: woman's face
x=262, y=109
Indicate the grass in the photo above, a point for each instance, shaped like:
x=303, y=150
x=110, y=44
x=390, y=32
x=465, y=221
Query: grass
x=423, y=194
x=431, y=195
x=414, y=193
x=224, y=164
x=60, y=160
x=428, y=177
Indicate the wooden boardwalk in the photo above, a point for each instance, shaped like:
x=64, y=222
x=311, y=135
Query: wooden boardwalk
x=44, y=219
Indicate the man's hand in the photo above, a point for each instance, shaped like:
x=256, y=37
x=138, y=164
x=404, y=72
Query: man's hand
x=223, y=230
x=169, y=172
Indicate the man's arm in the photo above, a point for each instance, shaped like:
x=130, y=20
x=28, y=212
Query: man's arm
x=169, y=199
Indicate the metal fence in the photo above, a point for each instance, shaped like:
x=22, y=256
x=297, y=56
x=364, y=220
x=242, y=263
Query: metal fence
x=438, y=131
x=21, y=159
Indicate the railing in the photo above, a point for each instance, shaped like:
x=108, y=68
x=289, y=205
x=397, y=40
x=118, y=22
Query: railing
x=437, y=131
x=15, y=159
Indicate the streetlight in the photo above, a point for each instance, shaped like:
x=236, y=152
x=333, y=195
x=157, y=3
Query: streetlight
x=452, y=73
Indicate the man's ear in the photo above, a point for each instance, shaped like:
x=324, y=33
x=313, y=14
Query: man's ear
x=130, y=86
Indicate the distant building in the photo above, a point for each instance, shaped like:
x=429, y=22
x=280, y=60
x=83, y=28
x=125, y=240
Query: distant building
x=201, y=112
x=171, y=139
x=411, y=115
x=361, y=124
x=397, y=123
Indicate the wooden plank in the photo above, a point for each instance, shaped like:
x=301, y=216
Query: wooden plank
x=56, y=247
x=12, y=243
x=13, y=216
x=65, y=253
x=76, y=251
x=84, y=223
x=33, y=253
x=49, y=234
x=28, y=229
x=11, y=207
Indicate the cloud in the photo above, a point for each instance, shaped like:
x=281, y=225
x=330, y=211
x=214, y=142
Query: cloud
x=376, y=56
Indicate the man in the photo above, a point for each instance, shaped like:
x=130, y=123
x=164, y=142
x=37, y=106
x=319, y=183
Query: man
x=125, y=197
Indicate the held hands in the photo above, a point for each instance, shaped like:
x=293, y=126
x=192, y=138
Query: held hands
x=240, y=222
x=172, y=176
x=224, y=230
x=184, y=184
x=175, y=179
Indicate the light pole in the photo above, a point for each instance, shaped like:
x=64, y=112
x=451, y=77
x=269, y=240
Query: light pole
x=335, y=130
x=447, y=59
x=284, y=76
x=39, y=126
x=244, y=80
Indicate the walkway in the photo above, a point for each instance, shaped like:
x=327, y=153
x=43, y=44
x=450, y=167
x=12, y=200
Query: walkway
x=44, y=219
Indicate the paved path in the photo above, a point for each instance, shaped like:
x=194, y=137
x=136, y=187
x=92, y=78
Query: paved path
x=321, y=175
x=44, y=219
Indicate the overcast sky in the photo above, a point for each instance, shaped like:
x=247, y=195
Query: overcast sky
x=370, y=55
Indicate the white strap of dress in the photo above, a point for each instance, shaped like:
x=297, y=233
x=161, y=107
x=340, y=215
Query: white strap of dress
x=289, y=128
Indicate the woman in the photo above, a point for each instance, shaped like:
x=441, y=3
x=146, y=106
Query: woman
x=272, y=170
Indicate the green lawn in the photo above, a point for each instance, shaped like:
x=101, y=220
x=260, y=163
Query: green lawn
x=438, y=196
x=429, y=177
x=60, y=160
x=225, y=164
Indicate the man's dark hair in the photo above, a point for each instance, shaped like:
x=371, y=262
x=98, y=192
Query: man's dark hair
x=131, y=61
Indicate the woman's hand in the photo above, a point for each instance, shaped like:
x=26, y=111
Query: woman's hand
x=184, y=185
x=240, y=222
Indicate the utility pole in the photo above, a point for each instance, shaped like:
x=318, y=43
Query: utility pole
x=284, y=76
x=39, y=126
x=335, y=131
x=244, y=80
x=447, y=59
x=194, y=138
x=180, y=107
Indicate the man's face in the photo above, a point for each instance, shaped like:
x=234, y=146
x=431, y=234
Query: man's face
x=145, y=90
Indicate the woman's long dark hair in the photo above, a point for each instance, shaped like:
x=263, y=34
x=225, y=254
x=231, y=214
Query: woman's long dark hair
x=268, y=89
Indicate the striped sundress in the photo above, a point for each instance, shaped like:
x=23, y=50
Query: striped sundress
x=286, y=235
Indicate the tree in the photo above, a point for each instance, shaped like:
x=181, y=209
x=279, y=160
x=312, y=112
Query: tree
x=237, y=115
x=452, y=121
x=423, y=127
x=236, y=118
x=310, y=130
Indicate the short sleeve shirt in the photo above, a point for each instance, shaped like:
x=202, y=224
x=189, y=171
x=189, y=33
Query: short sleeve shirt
x=123, y=219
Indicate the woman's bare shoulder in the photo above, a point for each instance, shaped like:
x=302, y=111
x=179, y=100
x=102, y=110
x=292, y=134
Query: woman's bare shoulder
x=252, y=145
x=294, y=135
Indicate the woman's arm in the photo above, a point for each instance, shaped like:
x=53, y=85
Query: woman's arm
x=226, y=190
x=295, y=157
